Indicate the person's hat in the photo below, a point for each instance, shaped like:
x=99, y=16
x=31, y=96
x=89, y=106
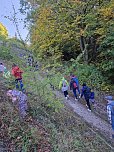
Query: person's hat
x=108, y=97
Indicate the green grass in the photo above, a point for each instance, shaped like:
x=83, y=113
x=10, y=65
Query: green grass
x=66, y=132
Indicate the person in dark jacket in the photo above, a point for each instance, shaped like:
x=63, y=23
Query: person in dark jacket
x=86, y=92
x=36, y=66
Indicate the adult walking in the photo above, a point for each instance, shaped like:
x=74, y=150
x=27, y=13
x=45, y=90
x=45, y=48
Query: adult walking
x=86, y=92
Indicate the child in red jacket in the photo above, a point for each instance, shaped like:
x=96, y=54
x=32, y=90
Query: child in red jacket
x=17, y=73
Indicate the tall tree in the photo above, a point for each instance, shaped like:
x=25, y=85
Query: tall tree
x=65, y=29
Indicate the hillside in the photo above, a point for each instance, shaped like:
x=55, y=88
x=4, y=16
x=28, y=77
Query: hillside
x=52, y=123
x=48, y=79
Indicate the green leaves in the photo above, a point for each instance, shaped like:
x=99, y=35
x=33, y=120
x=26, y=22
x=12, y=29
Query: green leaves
x=81, y=30
x=5, y=53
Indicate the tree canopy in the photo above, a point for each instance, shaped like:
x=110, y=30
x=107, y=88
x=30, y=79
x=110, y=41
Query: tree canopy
x=66, y=29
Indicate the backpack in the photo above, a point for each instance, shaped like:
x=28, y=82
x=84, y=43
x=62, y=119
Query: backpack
x=64, y=86
x=74, y=85
x=64, y=83
x=92, y=95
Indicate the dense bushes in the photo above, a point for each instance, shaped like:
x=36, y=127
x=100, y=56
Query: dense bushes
x=92, y=76
x=64, y=30
x=86, y=73
x=5, y=53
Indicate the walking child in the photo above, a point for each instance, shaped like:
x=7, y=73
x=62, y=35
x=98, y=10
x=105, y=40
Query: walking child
x=17, y=73
x=64, y=86
x=86, y=92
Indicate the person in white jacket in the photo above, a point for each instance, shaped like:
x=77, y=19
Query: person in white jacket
x=63, y=85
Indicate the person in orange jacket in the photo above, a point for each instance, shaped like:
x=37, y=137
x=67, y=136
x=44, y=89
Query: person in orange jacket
x=17, y=73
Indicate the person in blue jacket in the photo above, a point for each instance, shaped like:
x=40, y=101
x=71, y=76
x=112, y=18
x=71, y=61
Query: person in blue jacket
x=86, y=92
x=110, y=111
x=74, y=79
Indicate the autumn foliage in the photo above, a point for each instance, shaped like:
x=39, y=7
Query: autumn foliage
x=74, y=29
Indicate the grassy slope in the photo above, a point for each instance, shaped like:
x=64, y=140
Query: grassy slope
x=64, y=132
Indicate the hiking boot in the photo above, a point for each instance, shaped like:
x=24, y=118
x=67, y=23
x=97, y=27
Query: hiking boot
x=112, y=136
x=79, y=96
x=23, y=90
x=76, y=99
x=89, y=110
x=66, y=98
x=86, y=105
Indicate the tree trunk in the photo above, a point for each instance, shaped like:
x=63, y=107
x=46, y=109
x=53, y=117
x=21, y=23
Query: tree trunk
x=83, y=47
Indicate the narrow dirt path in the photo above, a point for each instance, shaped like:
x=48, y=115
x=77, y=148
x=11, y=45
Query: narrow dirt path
x=100, y=125
x=95, y=121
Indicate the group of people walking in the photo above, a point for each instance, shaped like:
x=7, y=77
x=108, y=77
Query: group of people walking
x=16, y=72
x=19, y=93
x=17, y=96
x=75, y=87
x=88, y=95
x=31, y=62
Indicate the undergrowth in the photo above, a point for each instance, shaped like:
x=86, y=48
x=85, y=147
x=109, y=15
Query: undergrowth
x=49, y=124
